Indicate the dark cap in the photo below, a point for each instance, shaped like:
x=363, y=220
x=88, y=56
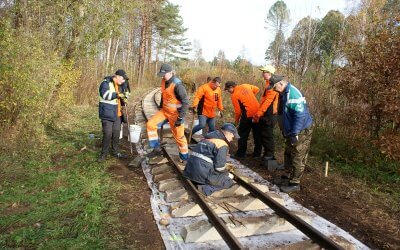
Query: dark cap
x=165, y=68
x=231, y=128
x=217, y=79
x=275, y=79
x=229, y=84
x=122, y=73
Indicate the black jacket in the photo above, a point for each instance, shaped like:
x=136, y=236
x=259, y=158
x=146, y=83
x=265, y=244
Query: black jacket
x=215, y=148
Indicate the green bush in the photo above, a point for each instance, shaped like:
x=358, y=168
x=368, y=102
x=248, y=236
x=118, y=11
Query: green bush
x=358, y=158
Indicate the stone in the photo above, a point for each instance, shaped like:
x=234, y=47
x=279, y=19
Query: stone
x=158, y=160
x=203, y=231
x=136, y=162
x=169, y=184
x=164, y=176
x=220, y=206
x=176, y=195
x=164, y=168
x=238, y=190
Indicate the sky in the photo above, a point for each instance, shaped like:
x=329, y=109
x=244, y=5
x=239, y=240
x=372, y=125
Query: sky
x=237, y=27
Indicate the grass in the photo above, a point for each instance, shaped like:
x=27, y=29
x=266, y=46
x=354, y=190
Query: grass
x=362, y=162
x=58, y=196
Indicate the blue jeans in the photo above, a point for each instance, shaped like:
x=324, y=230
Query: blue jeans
x=202, y=124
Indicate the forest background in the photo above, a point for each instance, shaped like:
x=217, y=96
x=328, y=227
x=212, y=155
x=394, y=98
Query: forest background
x=53, y=55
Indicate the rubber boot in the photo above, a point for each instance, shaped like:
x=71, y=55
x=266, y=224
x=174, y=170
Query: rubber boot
x=292, y=187
x=156, y=152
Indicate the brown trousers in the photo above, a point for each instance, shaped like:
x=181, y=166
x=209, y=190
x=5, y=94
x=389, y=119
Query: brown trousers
x=296, y=155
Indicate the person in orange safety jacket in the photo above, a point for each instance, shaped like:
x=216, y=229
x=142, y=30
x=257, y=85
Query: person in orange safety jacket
x=206, y=100
x=245, y=105
x=266, y=114
x=174, y=106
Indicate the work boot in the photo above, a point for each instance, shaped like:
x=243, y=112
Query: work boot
x=156, y=152
x=282, y=180
x=292, y=187
x=120, y=156
x=200, y=189
x=281, y=167
x=102, y=158
x=268, y=158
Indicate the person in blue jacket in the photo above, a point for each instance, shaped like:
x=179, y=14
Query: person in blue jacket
x=297, y=129
x=111, y=97
x=206, y=166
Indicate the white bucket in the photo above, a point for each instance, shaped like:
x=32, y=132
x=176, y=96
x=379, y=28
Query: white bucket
x=195, y=123
x=134, y=132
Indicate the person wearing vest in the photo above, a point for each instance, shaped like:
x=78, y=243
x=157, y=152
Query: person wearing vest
x=297, y=129
x=267, y=112
x=206, y=165
x=174, y=106
x=245, y=105
x=110, y=112
x=206, y=100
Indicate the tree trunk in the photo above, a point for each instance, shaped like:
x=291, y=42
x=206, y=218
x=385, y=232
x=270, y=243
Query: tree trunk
x=108, y=53
x=115, y=52
x=142, y=48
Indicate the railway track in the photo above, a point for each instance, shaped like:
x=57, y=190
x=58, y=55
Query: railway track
x=252, y=214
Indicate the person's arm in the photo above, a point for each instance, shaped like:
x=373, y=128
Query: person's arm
x=220, y=105
x=269, y=99
x=106, y=93
x=181, y=95
x=198, y=95
x=296, y=109
x=255, y=89
x=236, y=108
x=220, y=158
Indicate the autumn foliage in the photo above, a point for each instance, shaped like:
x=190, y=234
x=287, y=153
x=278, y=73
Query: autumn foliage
x=369, y=85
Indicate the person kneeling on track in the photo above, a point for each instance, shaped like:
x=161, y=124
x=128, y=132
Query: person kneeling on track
x=206, y=166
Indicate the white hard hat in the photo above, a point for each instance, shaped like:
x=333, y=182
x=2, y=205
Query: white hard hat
x=268, y=68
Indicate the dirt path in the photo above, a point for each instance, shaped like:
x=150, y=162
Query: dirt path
x=136, y=228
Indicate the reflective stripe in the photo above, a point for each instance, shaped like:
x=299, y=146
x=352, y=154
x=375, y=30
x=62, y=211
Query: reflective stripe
x=105, y=95
x=203, y=157
x=113, y=102
x=152, y=132
x=221, y=169
x=153, y=137
x=298, y=100
x=172, y=105
x=106, y=98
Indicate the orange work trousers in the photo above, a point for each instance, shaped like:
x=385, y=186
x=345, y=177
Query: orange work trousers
x=157, y=121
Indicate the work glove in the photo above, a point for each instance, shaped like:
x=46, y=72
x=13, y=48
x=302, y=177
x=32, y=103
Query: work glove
x=231, y=176
x=221, y=114
x=194, y=110
x=178, y=121
x=229, y=167
x=121, y=95
x=294, y=139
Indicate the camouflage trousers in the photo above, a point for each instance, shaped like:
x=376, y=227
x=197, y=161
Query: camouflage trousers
x=296, y=155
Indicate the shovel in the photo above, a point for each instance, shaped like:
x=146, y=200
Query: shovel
x=189, y=139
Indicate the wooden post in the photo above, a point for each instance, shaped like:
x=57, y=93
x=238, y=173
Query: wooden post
x=326, y=168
